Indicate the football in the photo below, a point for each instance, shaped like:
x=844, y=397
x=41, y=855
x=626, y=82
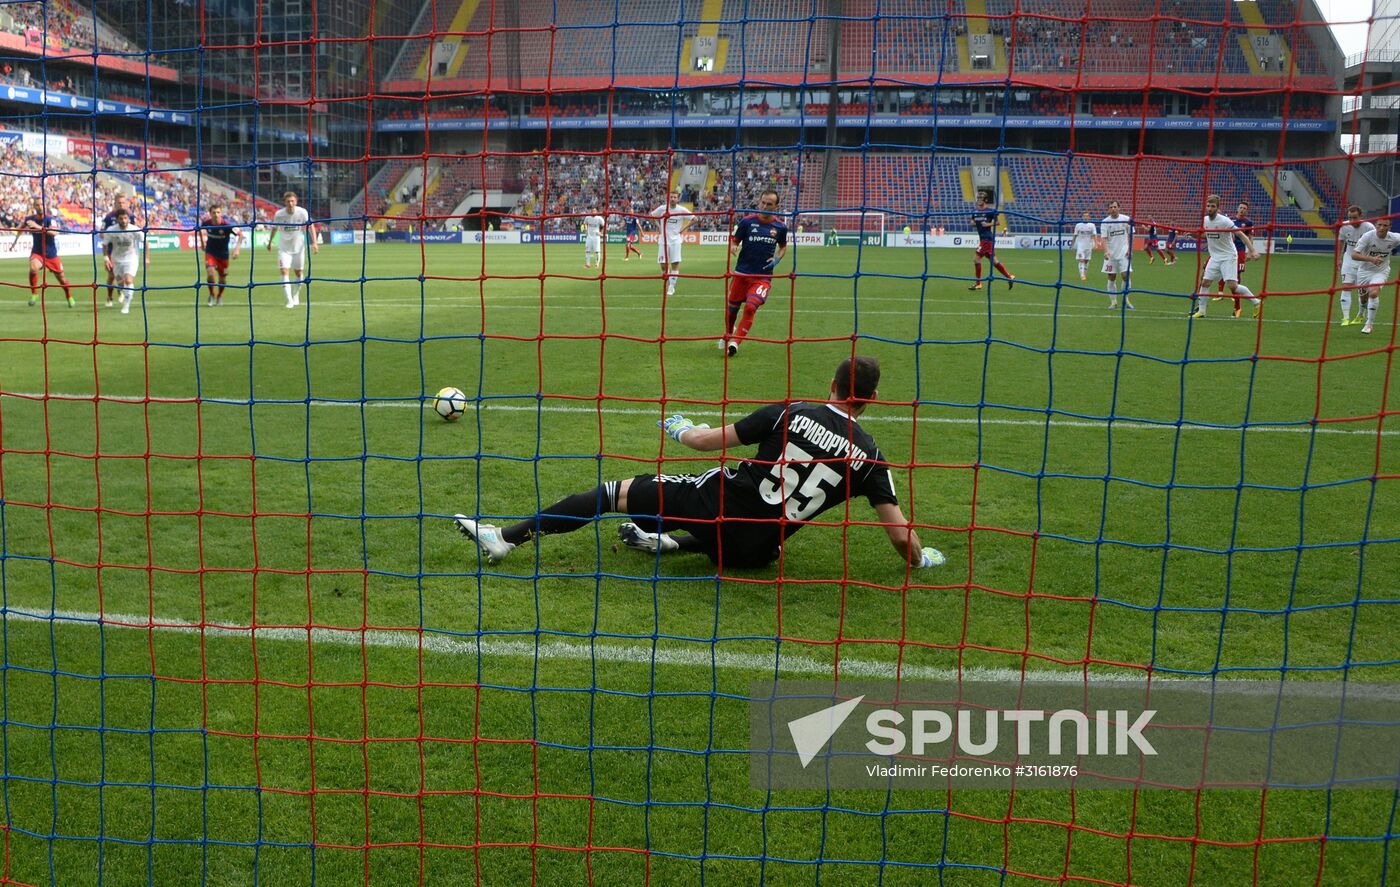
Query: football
x=450, y=404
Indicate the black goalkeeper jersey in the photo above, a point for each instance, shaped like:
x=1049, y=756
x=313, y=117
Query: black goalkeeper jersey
x=811, y=457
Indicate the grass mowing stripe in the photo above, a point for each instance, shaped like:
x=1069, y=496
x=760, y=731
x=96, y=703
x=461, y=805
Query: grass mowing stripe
x=491, y=404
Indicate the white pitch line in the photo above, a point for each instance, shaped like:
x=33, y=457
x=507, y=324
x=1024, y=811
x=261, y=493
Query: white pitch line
x=491, y=405
x=714, y=659
x=1066, y=307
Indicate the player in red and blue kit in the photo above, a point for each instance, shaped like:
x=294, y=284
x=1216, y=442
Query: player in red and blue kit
x=984, y=219
x=761, y=241
x=215, y=232
x=633, y=233
x=43, y=255
x=1150, y=244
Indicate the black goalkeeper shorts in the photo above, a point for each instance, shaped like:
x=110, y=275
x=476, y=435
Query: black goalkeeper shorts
x=692, y=503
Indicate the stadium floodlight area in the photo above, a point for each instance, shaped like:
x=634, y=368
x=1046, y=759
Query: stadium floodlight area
x=244, y=639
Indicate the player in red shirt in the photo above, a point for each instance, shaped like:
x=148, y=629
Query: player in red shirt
x=984, y=219
x=43, y=255
x=214, y=234
x=761, y=242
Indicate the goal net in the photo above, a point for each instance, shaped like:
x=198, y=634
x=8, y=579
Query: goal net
x=858, y=224
x=358, y=306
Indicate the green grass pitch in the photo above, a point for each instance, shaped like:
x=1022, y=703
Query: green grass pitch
x=1114, y=490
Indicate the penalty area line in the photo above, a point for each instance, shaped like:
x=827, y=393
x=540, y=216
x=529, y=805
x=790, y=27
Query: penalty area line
x=712, y=657
x=497, y=404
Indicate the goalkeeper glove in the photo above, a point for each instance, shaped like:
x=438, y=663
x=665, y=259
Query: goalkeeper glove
x=677, y=426
x=931, y=557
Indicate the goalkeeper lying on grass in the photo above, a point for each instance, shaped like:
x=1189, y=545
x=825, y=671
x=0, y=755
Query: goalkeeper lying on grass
x=811, y=457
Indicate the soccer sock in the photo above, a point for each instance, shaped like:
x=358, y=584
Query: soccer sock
x=287, y=288
x=733, y=312
x=1220, y=286
x=1371, y=307
x=1113, y=286
x=1345, y=296
x=750, y=311
x=1201, y=301
x=1002, y=268
x=296, y=292
x=685, y=542
x=34, y=282
x=68, y=292
x=978, y=272
x=671, y=281
x=1083, y=268
x=1246, y=292
x=566, y=515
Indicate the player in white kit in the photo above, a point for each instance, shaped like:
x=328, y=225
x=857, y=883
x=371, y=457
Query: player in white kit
x=122, y=246
x=1085, y=233
x=1373, y=251
x=593, y=241
x=676, y=218
x=1349, y=269
x=1224, y=264
x=1116, y=231
x=291, y=224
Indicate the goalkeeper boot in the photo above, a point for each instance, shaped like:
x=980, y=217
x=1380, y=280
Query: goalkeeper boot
x=637, y=539
x=486, y=536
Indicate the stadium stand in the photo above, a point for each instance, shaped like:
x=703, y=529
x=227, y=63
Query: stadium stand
x=63, y=27
x=166, y=199
x=436, y=18
x=905, y=38
x=578, y=184
x=900, y=184
x=776, y=38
